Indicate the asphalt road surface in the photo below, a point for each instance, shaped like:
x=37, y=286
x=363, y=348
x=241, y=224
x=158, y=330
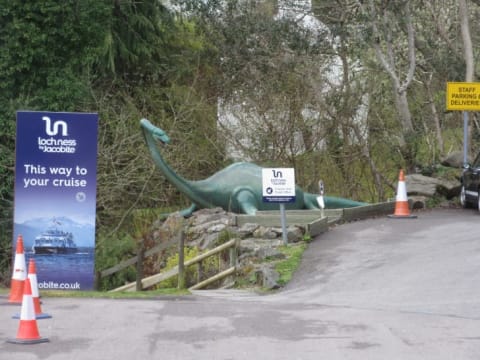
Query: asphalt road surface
x=373, y=289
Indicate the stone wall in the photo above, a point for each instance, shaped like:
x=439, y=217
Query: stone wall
x=208, y=228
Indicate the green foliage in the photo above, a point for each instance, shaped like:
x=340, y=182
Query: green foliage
x=223, y=237
x=210, y=266
x=293, y=256
x=137, y=39
x=307, y=238
x=434, y=201
x=140, y=226
x=110, y=251
x=5, y=260
x=58, y=40
x=251, y=43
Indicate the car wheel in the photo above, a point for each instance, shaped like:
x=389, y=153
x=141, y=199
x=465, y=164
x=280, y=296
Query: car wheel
x=463, y=198
x=478, y=200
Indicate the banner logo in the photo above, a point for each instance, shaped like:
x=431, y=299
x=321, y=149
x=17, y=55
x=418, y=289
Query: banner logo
x=53, y=145
x=53, y=130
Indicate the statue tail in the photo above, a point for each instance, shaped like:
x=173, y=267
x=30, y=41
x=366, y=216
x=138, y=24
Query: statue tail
x=331, y=202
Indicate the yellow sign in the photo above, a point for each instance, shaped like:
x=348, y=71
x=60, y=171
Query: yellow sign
x=463, y=96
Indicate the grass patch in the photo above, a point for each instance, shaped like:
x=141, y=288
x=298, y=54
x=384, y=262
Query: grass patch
x=115, y=295
x=293, y=256
x=109, y=295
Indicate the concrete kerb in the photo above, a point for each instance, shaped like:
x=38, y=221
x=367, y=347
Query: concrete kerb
x=368, y=211
x=316, y=221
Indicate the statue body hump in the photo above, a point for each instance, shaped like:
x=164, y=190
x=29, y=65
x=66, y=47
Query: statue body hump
x=236, y=188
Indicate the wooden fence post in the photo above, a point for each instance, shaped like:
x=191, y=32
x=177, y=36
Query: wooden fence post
x=233, y=254
x=233, y=259
x=199, y=271
x=181, y=261
x=98, y=278
x=140, y=257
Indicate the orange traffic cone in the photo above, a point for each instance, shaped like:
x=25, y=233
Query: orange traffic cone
x=32, y=276
x=19, y=274
x=28, y=329
x=402, y=209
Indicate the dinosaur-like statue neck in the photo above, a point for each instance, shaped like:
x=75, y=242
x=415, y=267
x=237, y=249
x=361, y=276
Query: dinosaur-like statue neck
x=183, y=185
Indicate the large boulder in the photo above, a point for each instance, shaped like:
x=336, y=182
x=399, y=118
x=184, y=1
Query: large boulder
x=418, y=184
x=454, y=159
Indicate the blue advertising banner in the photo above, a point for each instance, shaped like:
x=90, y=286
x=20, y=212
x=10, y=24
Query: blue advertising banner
x=55, y=196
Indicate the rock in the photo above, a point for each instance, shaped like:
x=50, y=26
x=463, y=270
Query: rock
x=454, y=159
x=169, y=228
x=267, y=276
x=428, y=186
x=207, y=241
x=294, y=233
x=247, y=230
x=270, y=253
x=205, y=226
x=420, y=185
x=264, y=233
x=418, y=202
x=252, y=246
x=217, y=215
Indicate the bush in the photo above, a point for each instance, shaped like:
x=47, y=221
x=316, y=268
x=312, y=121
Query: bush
x=110, y=251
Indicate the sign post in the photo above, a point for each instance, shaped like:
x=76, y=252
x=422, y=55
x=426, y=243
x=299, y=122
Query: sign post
x=55, y=195
x=320, y=197
x=463, y=96
x=279, y=187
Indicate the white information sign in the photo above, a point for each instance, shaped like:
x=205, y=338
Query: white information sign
x=278, y=185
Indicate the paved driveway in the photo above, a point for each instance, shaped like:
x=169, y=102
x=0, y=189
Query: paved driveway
x=374, y=289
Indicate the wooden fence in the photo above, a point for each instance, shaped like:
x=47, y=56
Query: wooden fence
x=143, y=283
x=138, y=260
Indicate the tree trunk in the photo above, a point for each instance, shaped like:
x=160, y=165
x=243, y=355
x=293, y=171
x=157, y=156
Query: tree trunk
x=436, y=118
x=382, y=32
x=467, y=40
x=468, y=56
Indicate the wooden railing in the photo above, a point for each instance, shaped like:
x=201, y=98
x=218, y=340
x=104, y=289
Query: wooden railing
x=138, y=260
x=179, y=271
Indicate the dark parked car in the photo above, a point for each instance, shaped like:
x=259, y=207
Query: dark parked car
x=469, y=194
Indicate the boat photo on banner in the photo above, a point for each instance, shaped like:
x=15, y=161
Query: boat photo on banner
x=55, y=196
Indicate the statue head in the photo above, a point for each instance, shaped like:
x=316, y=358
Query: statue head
x=156, y=132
